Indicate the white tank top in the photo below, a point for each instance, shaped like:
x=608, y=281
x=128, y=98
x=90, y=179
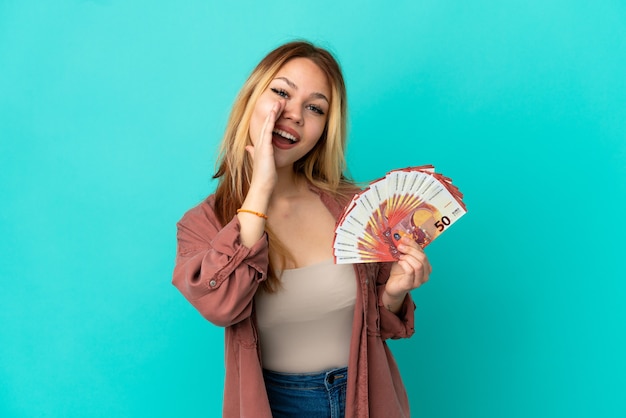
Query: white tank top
x=306, y=325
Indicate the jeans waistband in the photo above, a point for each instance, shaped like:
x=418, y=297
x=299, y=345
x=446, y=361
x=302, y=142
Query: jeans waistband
x=326, y=379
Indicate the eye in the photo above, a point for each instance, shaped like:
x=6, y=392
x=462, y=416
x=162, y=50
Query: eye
x=316, y=109
x=280, y=92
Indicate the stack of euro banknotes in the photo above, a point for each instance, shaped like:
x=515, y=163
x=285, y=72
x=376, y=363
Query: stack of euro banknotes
x=414, y=202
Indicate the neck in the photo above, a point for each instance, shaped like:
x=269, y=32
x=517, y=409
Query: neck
x=288, y=184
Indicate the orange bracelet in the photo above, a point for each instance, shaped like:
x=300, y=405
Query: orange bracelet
x=259, y=214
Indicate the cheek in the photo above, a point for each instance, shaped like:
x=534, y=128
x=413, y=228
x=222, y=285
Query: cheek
x=317, y=130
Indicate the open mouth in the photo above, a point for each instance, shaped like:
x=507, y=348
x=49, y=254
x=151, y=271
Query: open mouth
x=286, y=136
x=283, y=139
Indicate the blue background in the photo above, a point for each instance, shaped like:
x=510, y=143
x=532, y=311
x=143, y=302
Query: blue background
x=110, y=117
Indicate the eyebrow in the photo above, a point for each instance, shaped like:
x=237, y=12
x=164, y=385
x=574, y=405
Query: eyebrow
x=293, y=86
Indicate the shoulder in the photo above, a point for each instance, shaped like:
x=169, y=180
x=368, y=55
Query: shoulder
x=198, y=227
x=201, y=214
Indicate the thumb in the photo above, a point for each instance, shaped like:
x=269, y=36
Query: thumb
x=250, y=149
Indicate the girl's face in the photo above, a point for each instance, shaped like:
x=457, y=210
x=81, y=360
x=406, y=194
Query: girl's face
x=305, y=93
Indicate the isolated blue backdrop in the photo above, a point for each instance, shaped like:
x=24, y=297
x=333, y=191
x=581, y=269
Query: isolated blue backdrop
x=110, y=116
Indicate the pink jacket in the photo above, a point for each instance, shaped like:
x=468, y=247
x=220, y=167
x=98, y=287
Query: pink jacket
x=220, y=276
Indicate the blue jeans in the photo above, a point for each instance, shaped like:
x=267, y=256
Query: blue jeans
x=317, y=395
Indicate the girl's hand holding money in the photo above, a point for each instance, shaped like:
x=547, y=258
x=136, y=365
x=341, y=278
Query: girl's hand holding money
x=408, y=273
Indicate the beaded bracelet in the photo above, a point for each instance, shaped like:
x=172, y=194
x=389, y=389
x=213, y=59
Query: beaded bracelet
x=259, y=214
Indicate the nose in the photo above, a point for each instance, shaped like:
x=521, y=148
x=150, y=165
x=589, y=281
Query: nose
x=293, y=112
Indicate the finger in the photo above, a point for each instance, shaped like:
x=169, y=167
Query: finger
x=412, y=251
x=279, y=110
x=412, y=276
x=268, y=124
x=263, y=137
x=428, y=268
x=250, y=150
x=413, y=266
x=421, y=257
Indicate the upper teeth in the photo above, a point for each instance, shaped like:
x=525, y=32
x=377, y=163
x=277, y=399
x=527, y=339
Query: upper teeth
x=286, y=135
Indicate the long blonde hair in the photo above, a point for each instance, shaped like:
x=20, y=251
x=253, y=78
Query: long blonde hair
x=323, y=166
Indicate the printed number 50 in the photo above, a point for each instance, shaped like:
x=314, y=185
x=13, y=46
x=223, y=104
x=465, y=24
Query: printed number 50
x=445, y=221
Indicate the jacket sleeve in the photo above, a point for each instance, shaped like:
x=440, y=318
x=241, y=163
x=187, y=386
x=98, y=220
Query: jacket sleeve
x=215, y=272
x=394, y=326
